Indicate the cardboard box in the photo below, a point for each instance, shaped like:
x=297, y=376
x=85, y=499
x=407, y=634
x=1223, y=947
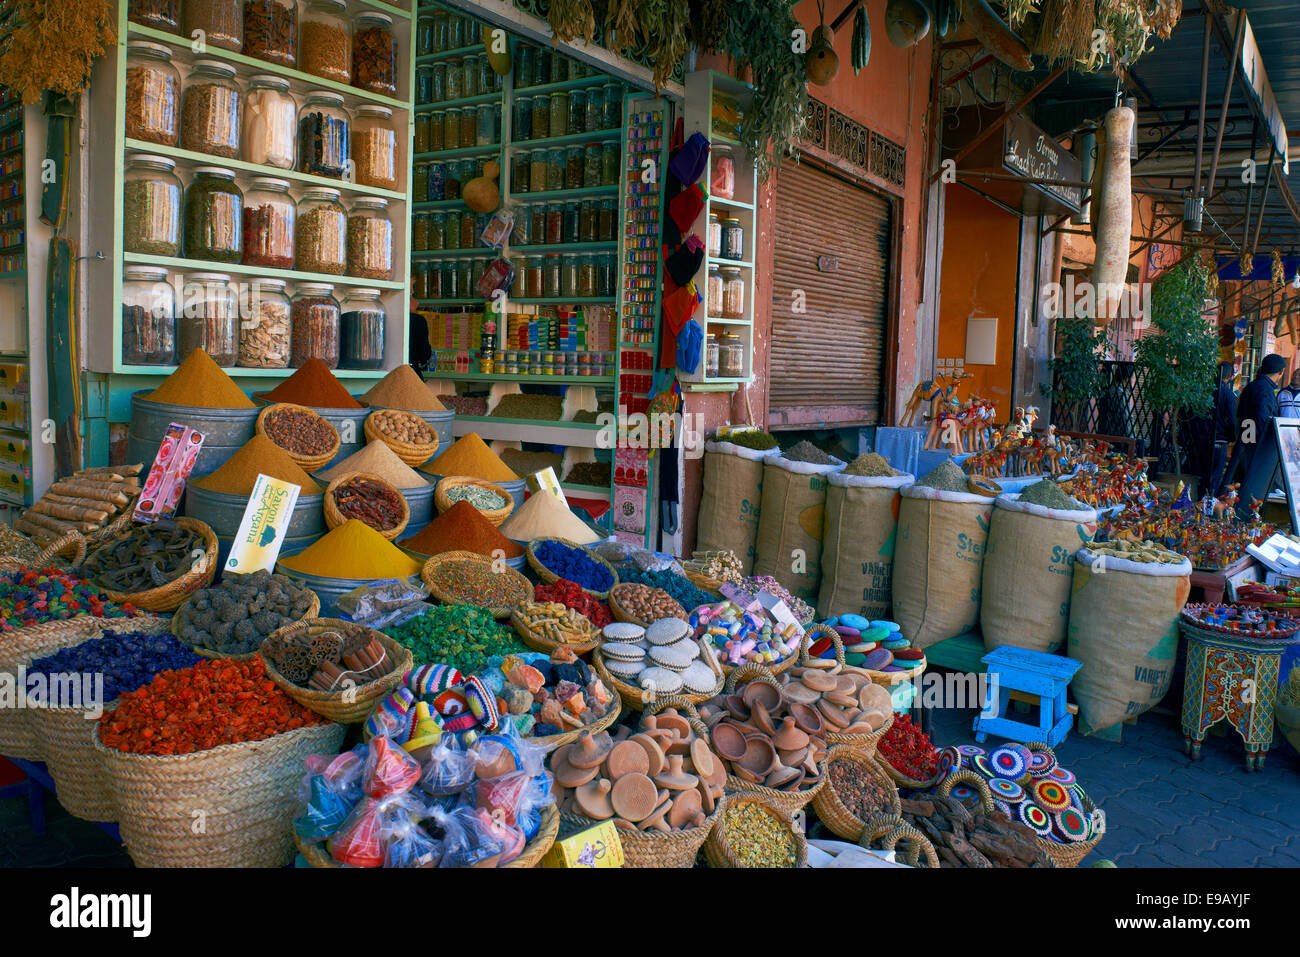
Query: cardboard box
x=597, y=846
x=13, y=411
x=15, y=450
x=13, y=377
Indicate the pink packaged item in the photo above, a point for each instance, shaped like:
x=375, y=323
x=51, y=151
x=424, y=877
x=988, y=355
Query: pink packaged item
x=171, y=467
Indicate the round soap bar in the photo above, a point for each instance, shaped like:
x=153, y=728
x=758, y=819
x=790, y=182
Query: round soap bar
x=908, y=654
x=854, y=621
x=896, y=644
x=875, y=634
x=857, y=659
x=862, y=647
x=878, y=659
x=832, y=621
x=846, y=632
x=887, y=625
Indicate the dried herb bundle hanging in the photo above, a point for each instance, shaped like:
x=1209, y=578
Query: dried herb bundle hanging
x=623, y=25
x=759, y=36
x=708, y=24
x=572, y=20
x=51, y=45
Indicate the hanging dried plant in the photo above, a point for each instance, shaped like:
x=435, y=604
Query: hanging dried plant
x=708, y=24
x=572, y=20
x=1246, y=263
x=624, y=20
x=51, y=45
x=1279, y=273
x=759, y=36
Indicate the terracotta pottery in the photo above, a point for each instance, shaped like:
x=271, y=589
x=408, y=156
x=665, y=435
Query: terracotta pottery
x=874, y=719
x=680, y=745
x=841, y=699
x=808, y=718
x=669, y=718
x=737, y=706
x=728, y=741
x=654, y=753
x=686, y=805
x=781, y=777
x=818, y=681
x=634, y=797
x=797, y=691
x=874, y=697
x=762, y=692
x=707, y=801
x=592, y=799
x=702, y=759
x=833, y=715
x=716, y=779
x=789, y=737
x=566, y=775
x=746, y=775
x=846, y=684
x=657, y=820
x=589, y=750
x=793, y=758
x=627, y=757
x=760, y=718
x=759, y=756
x=675, y=778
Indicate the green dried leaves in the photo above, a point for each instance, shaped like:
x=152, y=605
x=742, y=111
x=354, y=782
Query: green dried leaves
x=760, y=38
x=53, y=44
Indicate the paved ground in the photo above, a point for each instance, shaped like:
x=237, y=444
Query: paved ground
x=1162, y=809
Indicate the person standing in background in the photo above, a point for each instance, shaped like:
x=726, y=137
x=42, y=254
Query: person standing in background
x=1256, y=448
x=1288, y=399
x=1223, y=428
x=419, y=353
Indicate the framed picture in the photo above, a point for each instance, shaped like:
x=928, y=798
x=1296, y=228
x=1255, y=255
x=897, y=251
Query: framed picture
x=1287, y=432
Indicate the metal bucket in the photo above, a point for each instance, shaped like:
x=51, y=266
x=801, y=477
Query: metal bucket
x=224, y=431
x=210, y=458
x=515, y=488
x=224, y=512
x=350, y=424
x=420, y=501
x=291, y=546
x=328, y=590
x=441, y=422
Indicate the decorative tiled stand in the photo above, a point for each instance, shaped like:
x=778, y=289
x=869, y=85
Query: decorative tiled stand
x=1235, y=678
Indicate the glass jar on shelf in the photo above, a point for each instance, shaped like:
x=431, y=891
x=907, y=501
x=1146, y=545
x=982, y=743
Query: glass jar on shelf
x=542, y=71
x=324, y=128
x=320, y=239
x=456, y=25
x=731, y=357
x=608, y=220
x=451, y=128
x=521, y=119
x=455, y=80
x=713, y=301
x=485, y=81
x=420, y=187
x=525, y=61
x=465, y=276
x=469, y=76
x=424, y=84
x=722, y=178
x=578, y=111
x=420, y=232
x=148, y=317
x=486, y=134
x=153, y=94
x=437, y=231
x=451, y=228
x=447, y=280
x=468, y=127
x=613, y=106
x=521, y=229
x=214, y=208
x=270, y=122
x=325, y=41
x=210, y=116
x=541, y=117
x=374, y=147
x=468, y=230
x=453, y=179
x=361, y=330
x=533, y=285
x=159, y=14
x=537, y=232
x=560, y=71
x=269, y=219
x=537, y=171
x=221, y=22
x=554, y=224
x=271, y=31
x=587, y=280
x=316, y=316
x=711, y=349
x=422, y=133
x=572, y=222
x=265, y=329
x=733, y=238
x=438, y=31
x=209, y=319
x=591, y=165
x=611, y=158
x=608, y=274
x=569, y=276
x=595, y=118
x=573, y=160
x=560, y=114
x=420, y=280
x=551, y=268
x=555, y=169
x=438, y=82
x=715, y=236
x=152, y=205
x=374, y=54
x=424, y=36
x=370, y=239
x=733, y=293
x=588, y=221
x=520, y=172
x=437, y=130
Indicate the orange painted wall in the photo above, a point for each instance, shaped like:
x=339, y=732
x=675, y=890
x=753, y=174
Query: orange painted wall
x=981, y=245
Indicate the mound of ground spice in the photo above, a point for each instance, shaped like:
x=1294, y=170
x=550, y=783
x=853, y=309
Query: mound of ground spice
x=461, y=528
x=353, y=550
x=198, y=382
x=805, y=451
x=469, y=455
x=403, y=389
x=869, y=463
x=543, y=515
x=946, y=477
x=314, y=386
x=259, y=455
x=1049, y=495
x=377, y=459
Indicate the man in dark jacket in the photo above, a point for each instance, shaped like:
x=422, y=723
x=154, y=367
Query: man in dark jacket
x=1223, y=429
x=1255, y=412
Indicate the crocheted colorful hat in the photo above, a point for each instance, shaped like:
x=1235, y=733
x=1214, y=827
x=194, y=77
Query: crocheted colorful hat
x=482, y=703
x=429, y=681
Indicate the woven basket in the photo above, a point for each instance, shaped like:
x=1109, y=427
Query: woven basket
x=408, y=452
x=123, y=519
x=549, y=577
x=863, y=743
x=887, y=830
x=21, y=647
x=334, y=518
x=832, y=811
x=780, y=667
x=347, y=706
x=811, y=635
x=539, y=642
x=182, y=616
x=638, y=699
x=308, y=463
x=553, y=741
x=621, y=613
x=169, y=597
x=496, y=516
x=717, y=849
x=18, y=551
x=66, y=738
x=513, y=580
x=903, y=781
x=703, y=582
x=314, y=852
x=246, y=793
x=655, y=849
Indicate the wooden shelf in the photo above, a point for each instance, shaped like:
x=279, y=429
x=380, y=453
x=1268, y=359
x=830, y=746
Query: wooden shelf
x=577, y=248
x=479, y=100
x=490, y=428
x=290, y=275
x=731, y=203
x=235, y=372
x=446, y=54
x=559, y=86
x=550, y=195
x=568, y=139
x=513, y=377
x=459, y=152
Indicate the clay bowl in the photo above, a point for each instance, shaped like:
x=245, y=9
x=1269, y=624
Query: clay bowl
x=761, y=719
x=807, y=718
x=729, y=741
x=760, y=756
x=763, y=693
x=735, y=704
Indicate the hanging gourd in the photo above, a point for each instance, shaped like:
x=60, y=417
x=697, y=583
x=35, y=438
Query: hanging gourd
x=1113, y=211
x=906, y=22
x=482, y=194
x=945, y=16
x=821, y=62
x=497, y=45
x=861, y=44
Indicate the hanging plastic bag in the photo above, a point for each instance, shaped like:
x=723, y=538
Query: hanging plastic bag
x=448, y=770
x=389, y=769
x=499, y=276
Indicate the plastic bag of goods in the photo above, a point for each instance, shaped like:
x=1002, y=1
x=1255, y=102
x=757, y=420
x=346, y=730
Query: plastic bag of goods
x=791, y=521
x=1025, y=587
x=1124, y=628
x=938, y=562
x=858, y=547
x=733, y=487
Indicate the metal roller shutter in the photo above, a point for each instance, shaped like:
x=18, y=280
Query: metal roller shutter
x=832, y=354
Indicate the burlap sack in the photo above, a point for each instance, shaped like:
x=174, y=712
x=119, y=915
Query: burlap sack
x=733, y=488
x=858, y=545
x=938, y=559
x=1025, y=588
x=791, y=520
x=1124, y=630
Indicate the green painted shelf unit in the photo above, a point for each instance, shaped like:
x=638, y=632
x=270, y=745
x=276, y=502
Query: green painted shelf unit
x=15, y=363
x=108, y=109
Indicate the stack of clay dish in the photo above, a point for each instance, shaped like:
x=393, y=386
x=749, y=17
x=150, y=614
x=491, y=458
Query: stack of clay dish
x=857, y=711
x=658, y=661
x=833, y=812
x=771, y=744
x=717, y=849
x=887, y=658
x=663, y=787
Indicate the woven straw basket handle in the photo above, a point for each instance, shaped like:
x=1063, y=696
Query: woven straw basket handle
x=836, y=642
x=974, y=780
x=752, y=671
x=918, y=843
x=683, y=707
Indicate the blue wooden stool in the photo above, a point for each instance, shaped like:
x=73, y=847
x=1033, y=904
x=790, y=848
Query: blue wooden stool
x=1026, y=675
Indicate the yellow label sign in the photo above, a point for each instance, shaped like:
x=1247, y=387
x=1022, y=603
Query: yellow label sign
x=262, y=529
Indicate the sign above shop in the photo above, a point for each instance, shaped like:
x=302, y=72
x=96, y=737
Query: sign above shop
x=1024, y=168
